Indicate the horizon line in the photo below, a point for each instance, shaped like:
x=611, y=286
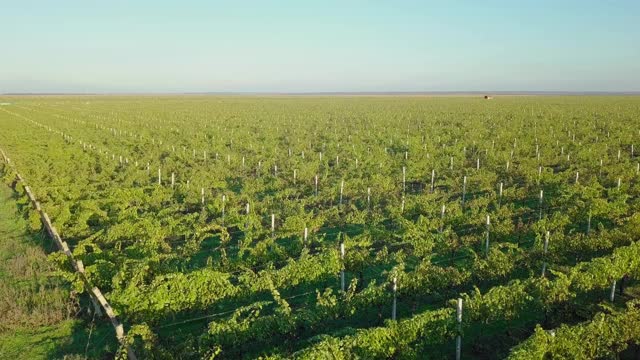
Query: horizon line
x=327, y=93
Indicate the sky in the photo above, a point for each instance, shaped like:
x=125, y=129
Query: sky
x=319, y=46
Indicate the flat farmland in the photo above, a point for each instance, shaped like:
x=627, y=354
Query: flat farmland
x=342, y=227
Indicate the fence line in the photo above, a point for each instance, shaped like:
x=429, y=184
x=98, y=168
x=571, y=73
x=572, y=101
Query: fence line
x=99, y=301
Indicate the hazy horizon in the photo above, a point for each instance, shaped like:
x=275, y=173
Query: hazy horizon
x=329, y=47
x=333, y=93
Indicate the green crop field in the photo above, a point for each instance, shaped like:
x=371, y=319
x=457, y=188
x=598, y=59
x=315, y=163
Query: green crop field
x=343, y=227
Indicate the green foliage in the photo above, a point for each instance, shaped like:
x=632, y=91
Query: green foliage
x=605, y=336
x=170, y=254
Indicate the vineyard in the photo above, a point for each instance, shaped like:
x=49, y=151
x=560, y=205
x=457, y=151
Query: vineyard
x=304, y=227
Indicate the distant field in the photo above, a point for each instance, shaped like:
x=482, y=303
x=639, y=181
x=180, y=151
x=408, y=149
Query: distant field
x=342, y=227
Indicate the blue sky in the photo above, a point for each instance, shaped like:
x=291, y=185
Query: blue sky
x=304, y=46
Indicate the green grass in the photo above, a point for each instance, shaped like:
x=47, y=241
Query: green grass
x=66, y=339
x=40, y=343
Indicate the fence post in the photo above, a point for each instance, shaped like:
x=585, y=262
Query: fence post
x=433, y=179
x=544, y=253
x=342, y=282
x=486, y=244
x=395, y=298
x=464, y=190
x=612, y=295
x=459, y=337
x=404, y=179
x=540, y=204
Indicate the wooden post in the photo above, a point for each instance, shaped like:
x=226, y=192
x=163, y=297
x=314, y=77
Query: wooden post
x=224, y=200
x=478, y=164
x=600, y=171
x=540, y=204
x=433, y=179
x=486, y=244
x=442, y=217
x=404, y=179
x=395, y=300
x=619, y=183
x=342, y=282
x=539, y=173
x=202, y=196
x=273, y=224
x=545, y=248
x=500, y=195
x=577, y=176
x=612, y=295
x=589, y=223
x=459, y=337
x=246, y=226
x=341, y=190
x=295, y=175
x=368, y=197
x=173, y=180
x=306, y=234
x=159, y=177
x=464, y=189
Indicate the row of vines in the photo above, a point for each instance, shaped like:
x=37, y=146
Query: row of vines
x=346, y=227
